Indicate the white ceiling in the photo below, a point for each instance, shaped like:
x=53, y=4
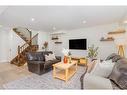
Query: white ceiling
x=61, y=17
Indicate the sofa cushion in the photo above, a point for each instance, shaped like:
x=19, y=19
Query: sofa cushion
x=96, y=82
x=48, y=64
x=122, y=60
x=103, y=69
x=55, y=61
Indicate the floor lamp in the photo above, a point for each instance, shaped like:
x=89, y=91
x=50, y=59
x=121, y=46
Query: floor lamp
x=121, y=43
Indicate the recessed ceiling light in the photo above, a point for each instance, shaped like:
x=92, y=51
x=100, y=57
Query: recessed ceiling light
x=54, y=28
x=83, y=21
x=32, y=19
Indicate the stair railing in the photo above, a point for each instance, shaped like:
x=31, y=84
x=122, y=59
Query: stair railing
x=33, y=41
x=24, y=31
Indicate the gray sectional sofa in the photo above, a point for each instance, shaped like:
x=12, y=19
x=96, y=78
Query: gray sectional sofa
x=116, y=80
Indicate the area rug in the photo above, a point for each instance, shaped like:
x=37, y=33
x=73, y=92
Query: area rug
x=46, y=81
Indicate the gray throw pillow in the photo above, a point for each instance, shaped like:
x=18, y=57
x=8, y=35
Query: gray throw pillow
x=122, y=60
x=116, y=58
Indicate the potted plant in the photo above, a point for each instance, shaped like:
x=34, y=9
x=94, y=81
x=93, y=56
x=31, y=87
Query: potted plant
x=92, y=52
x=45, y=46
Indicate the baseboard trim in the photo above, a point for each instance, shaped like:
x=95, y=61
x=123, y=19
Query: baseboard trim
x=4, y=61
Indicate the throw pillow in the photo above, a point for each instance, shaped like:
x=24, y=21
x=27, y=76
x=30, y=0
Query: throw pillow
x=48, y=57
x=52, y=56
x=91, y=65
x=103, y=69
x=119, y=75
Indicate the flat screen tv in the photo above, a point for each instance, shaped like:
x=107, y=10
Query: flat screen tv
x=78, y=44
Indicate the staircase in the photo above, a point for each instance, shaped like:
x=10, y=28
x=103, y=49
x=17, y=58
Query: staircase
x=30, y=45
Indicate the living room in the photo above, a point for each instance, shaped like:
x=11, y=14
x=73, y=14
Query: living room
x=60, y=36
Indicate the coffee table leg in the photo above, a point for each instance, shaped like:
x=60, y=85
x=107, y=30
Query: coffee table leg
x=66, y=75
x=54, y=71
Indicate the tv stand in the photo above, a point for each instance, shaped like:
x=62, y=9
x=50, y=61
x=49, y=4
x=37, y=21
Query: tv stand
x=81, y=60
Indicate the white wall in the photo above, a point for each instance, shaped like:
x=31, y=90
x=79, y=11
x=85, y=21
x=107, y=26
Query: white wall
x=4, y=46
x=14, y=41
x=93, y=35
x=9, y=42
x=42, y=37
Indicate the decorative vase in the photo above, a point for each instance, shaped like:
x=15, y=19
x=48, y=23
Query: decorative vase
x=65, y=59
x=69, y=59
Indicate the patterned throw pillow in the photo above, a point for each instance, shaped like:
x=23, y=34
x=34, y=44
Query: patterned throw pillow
x=48, y=57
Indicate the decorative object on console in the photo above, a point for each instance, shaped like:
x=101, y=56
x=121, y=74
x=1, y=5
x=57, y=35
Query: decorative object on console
x=92, y=52
x=69, y=56
x=45, y=46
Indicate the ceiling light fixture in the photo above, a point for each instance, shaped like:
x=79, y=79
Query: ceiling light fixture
x=54, y=28
x=83, y=21
x=32, y=19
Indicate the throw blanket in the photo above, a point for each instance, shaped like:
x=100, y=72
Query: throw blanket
x=119, y=74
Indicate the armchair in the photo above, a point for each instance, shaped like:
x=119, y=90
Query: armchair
x=37, y=64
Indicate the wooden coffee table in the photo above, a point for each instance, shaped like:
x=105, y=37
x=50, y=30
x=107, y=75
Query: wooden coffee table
x=64, y=71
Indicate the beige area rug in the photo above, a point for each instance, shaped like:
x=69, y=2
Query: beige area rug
x=46, y=81
x=9, y=73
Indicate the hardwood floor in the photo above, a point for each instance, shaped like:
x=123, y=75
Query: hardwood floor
x=10, y=72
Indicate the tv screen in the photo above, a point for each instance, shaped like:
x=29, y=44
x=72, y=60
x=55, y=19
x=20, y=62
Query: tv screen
x=80, y=44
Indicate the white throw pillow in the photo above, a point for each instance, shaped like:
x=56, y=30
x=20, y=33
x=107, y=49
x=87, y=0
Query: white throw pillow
x=52, y=56
x=103, y=69
x=48, y=57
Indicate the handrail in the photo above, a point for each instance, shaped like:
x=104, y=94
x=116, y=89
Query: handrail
x=30, y=33
x=24, y=46
x=34, y=36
